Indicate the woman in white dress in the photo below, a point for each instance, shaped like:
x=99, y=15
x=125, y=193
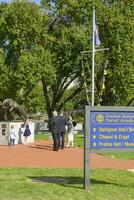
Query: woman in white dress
x=70, y=132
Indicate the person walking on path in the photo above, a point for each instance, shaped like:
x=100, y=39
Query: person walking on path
x=62, y=130
x=54, y=128
x=11, y=136
x=70, y=130
x=57, y=128
x=26, y=134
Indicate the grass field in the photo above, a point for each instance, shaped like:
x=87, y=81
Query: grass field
x=79, y=138
x=64, y=184
x=120, y=155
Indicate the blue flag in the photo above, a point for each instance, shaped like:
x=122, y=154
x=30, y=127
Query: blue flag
x=96, y=35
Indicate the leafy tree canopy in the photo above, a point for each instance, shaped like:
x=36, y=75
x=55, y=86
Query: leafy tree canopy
x=43, y=44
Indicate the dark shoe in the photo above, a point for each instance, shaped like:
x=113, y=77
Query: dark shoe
x=55, y=149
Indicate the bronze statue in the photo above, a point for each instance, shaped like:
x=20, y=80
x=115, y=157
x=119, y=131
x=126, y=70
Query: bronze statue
x=9, y=108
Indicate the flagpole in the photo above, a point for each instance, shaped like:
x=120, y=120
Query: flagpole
x=93, y=56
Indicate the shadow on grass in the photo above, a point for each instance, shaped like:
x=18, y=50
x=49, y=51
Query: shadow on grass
x=71, y=181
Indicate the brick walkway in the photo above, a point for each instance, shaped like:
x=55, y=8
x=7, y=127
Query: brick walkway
x=40, y=154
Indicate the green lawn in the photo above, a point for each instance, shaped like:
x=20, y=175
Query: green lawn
x=78, y=141
x=42, y=136
x=120, y=155
x=64, y=184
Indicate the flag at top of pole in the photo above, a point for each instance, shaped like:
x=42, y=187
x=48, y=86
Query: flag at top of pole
x=95, y=29
x=95, y=43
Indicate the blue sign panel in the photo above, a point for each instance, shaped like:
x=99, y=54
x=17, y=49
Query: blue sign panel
x=111, y=129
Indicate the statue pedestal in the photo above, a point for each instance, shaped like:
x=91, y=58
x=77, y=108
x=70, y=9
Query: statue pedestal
x=19, y=128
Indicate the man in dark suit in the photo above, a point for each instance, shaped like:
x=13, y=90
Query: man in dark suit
x=54, y=128
x=62, y=130
x=57, y=127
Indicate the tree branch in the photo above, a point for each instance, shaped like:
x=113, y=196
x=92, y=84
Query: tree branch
x=61, y=90
x=70, y=97
x=47, y=99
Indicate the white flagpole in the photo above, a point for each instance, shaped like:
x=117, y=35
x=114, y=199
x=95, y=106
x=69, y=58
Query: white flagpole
x=93, y=56
x=85, y=84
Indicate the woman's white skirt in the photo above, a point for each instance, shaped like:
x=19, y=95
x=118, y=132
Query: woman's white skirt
x=71, y=136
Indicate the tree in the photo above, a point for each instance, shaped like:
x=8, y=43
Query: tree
x=117, y=31
x=37, y=49
x=20, y=37
x=4, y=79
x=68, y=37
x=44, y=44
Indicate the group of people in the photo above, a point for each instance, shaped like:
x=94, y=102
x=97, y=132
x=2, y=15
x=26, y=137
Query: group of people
x=12, y=135
x=58, y=126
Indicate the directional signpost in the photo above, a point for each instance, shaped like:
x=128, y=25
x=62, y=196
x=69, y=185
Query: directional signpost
x=107, y=129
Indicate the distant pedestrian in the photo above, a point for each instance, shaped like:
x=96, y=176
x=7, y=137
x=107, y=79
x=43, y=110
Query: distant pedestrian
x=11, y=136
x=54, y=128
x=26, y=134
x=57, y=128
x=62, y=130
x=70, y=134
